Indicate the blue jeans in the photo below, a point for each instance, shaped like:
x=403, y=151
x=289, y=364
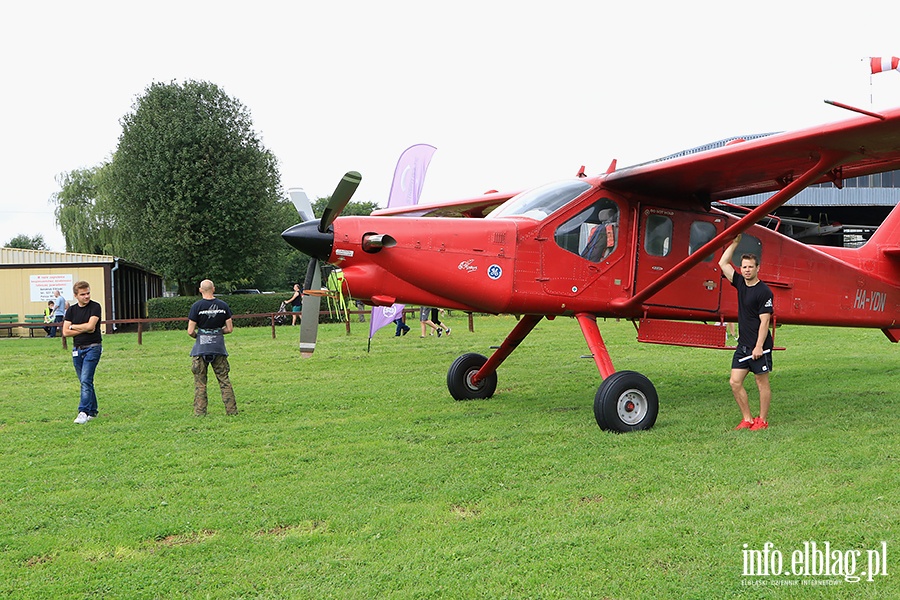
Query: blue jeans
x=86, y=362
x=401, y=326
x=54, y=330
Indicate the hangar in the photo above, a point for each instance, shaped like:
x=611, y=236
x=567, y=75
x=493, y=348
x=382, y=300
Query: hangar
x=28, y=279
x=823, y=214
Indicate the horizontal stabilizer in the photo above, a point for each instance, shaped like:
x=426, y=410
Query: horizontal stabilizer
x=892, y=252
x=885, y=241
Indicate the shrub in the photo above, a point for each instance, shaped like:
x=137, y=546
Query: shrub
x=241, y=304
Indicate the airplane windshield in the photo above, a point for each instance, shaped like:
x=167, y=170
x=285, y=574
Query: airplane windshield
x=541, y=202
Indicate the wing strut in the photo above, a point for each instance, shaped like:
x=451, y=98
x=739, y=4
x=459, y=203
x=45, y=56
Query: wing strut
x=827, y=161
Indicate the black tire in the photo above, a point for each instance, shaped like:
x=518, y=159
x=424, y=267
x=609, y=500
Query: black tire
x=626, y=401
x=459, y=378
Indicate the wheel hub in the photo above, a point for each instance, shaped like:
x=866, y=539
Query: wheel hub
x=470, y=381
x=632, y=406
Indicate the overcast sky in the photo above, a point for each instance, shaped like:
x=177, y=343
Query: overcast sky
x=512, y=94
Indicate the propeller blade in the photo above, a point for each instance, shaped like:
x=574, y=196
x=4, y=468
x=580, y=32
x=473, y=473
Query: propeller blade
x=339, y=199
x=301, y=202
x=309, y=316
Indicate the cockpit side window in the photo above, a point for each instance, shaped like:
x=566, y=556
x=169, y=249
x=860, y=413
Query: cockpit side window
x=593, y=233
x=658, y=238
x=701, y=232
x=540, y=202
x=749, y=244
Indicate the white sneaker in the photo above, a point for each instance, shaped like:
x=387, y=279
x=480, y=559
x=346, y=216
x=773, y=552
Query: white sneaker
x=91, y=417
x=82, y=418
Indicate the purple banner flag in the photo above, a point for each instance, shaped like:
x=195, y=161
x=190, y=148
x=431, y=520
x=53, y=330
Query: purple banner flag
x=409, y=175
x=384, y=315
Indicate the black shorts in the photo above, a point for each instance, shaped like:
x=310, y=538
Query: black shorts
x=743, y=359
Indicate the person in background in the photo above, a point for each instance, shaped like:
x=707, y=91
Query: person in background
x=209, y=320
x=402, y=327
x=436, y=319
x=296, y=303
x=732, y=330
x=426, y=322
x=82, y=322
x=60, y=306
x=48, y=317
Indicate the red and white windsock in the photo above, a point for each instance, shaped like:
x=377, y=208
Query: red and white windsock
x=887, y=63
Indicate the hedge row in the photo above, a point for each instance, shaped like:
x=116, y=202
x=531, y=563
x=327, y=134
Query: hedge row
x=241, y=304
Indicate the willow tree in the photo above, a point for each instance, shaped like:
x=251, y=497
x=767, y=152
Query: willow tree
x=83, y=211
x=195, y=193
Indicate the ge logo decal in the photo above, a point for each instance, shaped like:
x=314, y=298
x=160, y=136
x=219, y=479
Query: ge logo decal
x=495, y=272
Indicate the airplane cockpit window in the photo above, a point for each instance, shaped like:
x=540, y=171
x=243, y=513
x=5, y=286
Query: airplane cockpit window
x=701, y=232
x=749, y=244
x=658, y=238
x=593, y=233
x=541, y=202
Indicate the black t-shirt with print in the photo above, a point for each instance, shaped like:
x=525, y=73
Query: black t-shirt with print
x=752, y=302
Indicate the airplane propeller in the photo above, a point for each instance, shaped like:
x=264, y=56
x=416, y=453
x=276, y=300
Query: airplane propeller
x=301, y=202
x=314, y=239
x=339, y=199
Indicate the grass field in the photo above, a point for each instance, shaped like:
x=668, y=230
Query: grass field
x=355, y=475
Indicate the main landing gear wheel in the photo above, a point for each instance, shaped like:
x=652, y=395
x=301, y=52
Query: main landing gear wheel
x=626, y=401
x=459, y=378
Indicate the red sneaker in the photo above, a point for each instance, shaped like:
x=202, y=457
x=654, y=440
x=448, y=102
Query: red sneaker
x=745, y=425
x=759, y=424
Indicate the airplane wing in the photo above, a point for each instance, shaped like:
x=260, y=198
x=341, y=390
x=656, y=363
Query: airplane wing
x=472, y=208
x=865, y=144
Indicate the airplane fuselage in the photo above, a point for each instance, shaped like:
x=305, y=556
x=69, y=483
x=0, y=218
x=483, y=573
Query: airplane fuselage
x=522, y=265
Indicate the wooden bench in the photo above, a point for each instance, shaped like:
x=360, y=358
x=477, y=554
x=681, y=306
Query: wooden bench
x=6, y=319
x=32, y=322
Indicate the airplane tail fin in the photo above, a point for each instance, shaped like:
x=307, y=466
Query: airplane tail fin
x=885, y=242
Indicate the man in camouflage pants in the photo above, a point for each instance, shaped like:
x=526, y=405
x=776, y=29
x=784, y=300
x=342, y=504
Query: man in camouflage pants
x=208, y=321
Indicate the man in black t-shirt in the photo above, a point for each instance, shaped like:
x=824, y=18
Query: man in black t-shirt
x=754, y=347
x=82, y=322
x=208, y=322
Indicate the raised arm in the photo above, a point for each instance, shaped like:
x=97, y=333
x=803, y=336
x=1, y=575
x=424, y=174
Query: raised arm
x=727, y=255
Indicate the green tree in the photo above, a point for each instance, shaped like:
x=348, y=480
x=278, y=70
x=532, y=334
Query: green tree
x=353, y=208
x=27, y=242
x=284, y=262
x=83, y=211
x=196, y=193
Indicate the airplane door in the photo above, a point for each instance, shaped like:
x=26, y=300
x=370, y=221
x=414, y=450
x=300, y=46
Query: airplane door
x=579, y=245
x=666, y=237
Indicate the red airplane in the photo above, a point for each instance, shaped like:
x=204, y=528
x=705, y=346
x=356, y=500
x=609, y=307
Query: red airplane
x=640, y=243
